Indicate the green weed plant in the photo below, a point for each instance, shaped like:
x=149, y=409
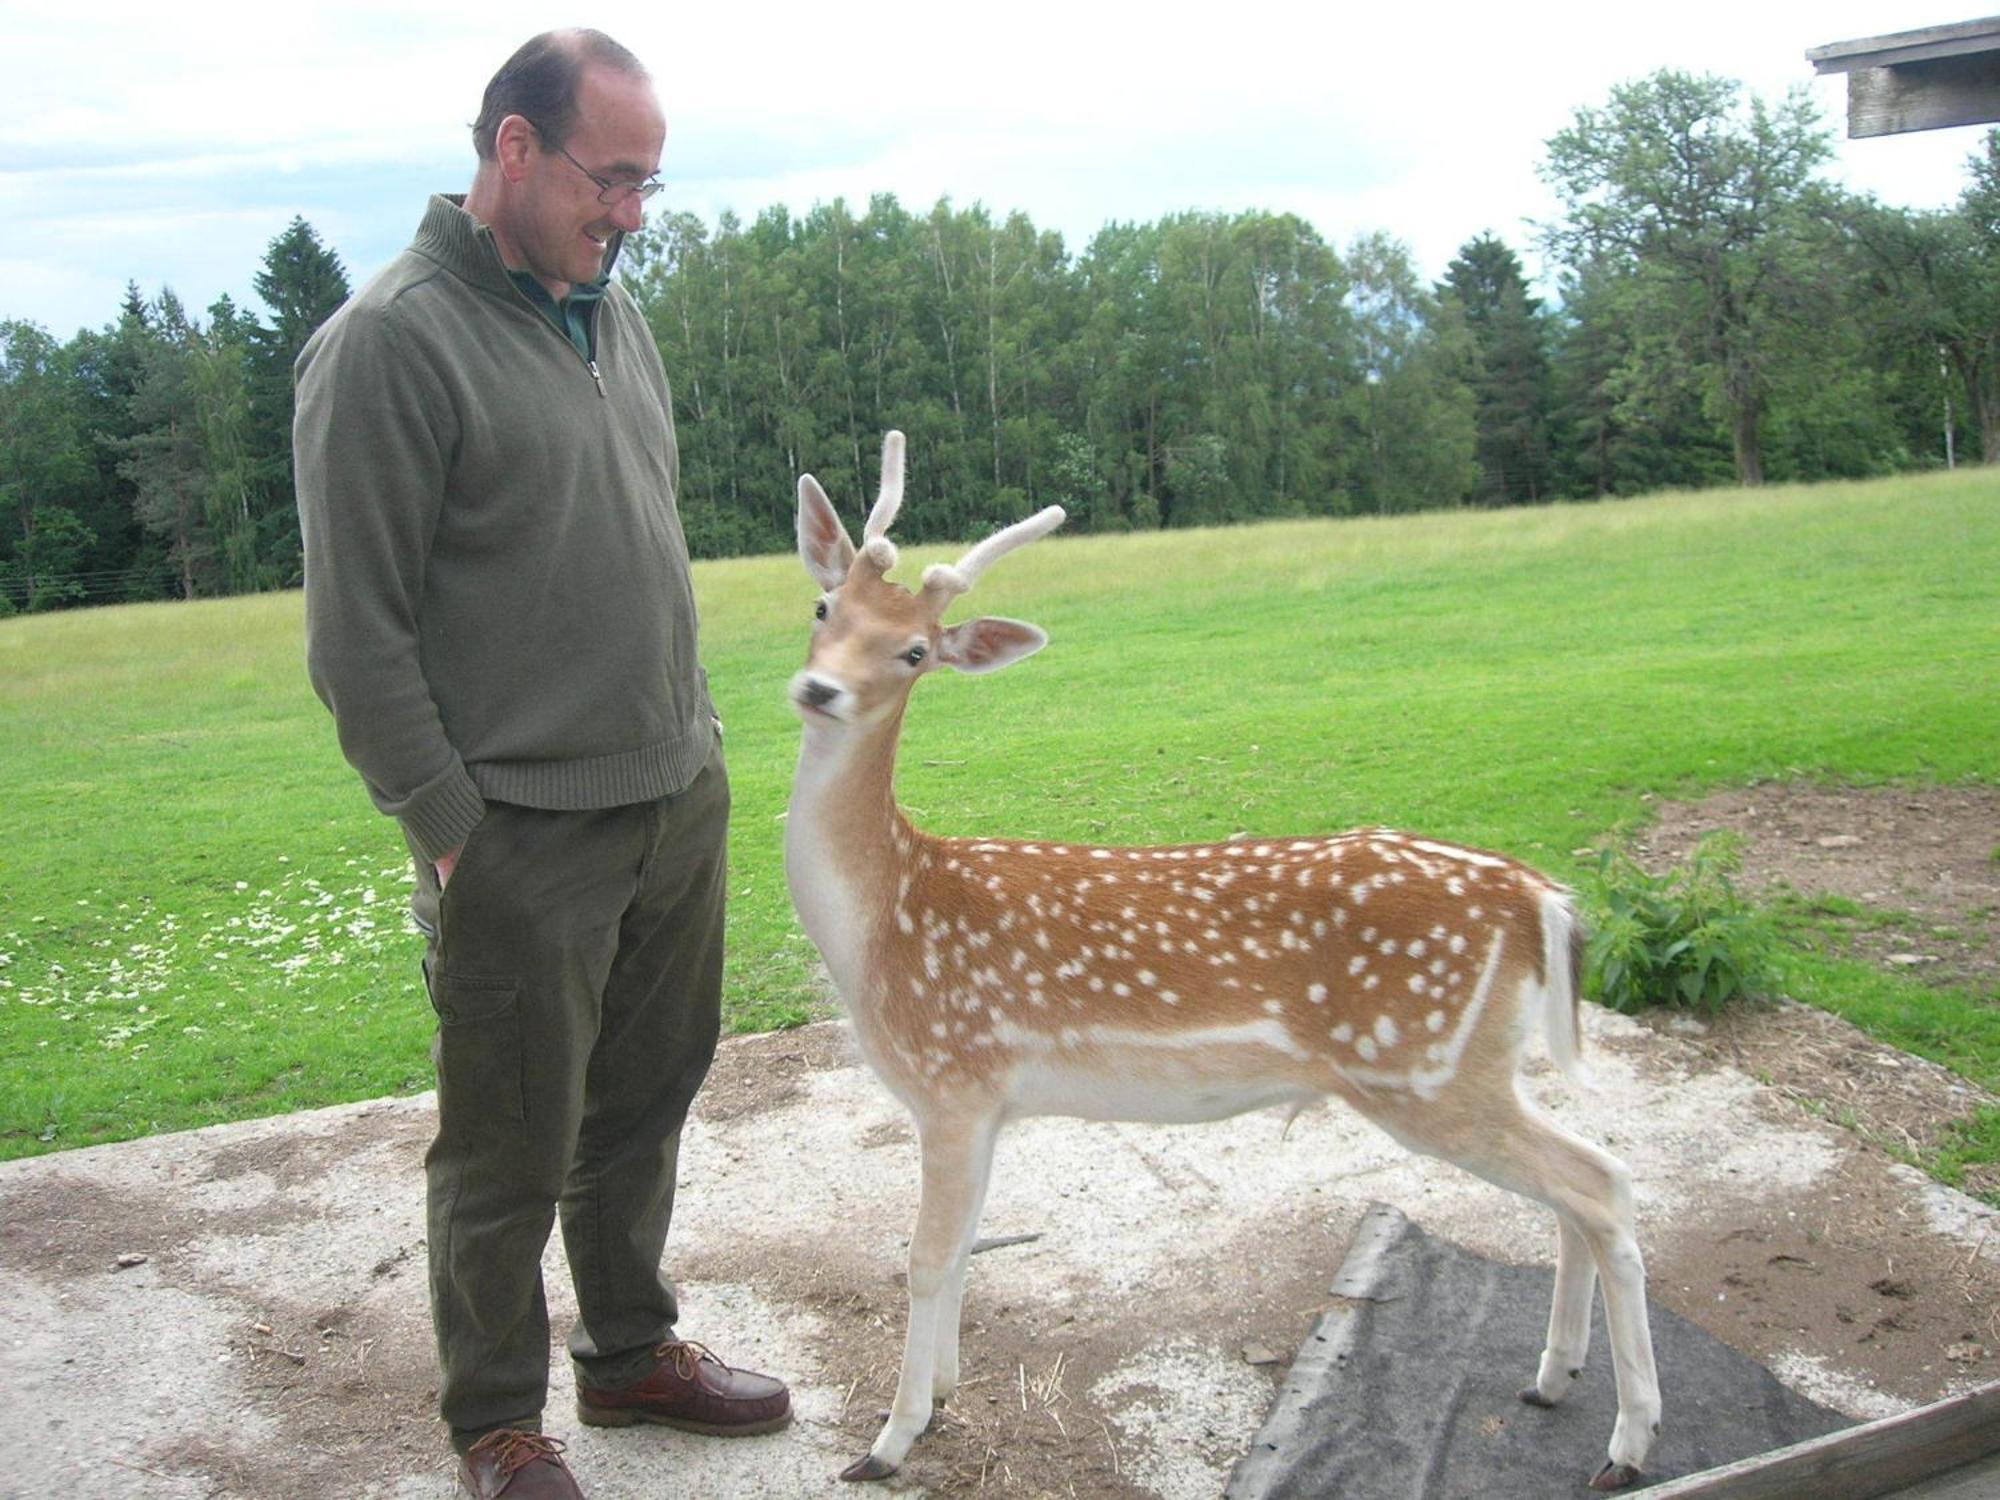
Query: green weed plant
x=1685, y=939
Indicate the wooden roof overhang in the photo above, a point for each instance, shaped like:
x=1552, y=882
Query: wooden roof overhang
x=1918, y=80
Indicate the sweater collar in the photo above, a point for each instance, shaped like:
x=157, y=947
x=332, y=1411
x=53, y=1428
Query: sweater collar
x=464, y=246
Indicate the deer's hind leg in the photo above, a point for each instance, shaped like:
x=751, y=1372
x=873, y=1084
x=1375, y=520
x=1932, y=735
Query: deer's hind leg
x=1515, y=1146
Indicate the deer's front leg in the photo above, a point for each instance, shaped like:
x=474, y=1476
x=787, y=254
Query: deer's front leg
x=957, y=1162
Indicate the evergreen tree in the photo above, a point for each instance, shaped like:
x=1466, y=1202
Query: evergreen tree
x=302, y=283
x=1511, y=385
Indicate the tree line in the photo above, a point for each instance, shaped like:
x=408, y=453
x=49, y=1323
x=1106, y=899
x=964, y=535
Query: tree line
x=1724, y=314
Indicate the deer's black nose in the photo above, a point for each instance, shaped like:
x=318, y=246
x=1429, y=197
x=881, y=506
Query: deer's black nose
x=816, y=694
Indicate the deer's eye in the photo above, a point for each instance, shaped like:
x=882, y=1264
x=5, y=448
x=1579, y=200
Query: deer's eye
x=819, y=610
x=916, y=654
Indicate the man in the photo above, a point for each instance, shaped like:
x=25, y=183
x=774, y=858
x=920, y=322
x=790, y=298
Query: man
x=499, y=616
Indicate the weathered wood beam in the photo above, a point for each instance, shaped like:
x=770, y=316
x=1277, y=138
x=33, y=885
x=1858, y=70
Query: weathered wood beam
x=1918, y=80
x=1860, y=1463
x=1924, y=95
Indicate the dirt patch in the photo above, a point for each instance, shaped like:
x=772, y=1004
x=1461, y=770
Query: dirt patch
x=1921, y=864
x=757, y=1072
x=1924, y=861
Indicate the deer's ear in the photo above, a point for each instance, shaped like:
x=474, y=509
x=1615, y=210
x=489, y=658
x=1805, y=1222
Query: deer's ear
x=824, y=546
x=989, y=643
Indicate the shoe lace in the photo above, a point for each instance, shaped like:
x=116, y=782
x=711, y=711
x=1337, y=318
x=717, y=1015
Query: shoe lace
x=687, y=1356
x=514, y=1450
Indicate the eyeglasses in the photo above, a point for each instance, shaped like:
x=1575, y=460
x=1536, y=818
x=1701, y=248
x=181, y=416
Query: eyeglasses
x=609, y=193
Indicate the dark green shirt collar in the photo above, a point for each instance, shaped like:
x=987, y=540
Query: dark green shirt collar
x=571, y=315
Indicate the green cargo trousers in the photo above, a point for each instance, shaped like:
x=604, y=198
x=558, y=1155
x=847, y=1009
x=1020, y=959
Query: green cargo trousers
x=575, y=963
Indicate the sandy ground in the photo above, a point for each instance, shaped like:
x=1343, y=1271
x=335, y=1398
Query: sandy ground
x=274, y=1337
x=239, y=1312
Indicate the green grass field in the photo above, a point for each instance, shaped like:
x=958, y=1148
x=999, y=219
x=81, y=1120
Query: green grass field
x=201, y=917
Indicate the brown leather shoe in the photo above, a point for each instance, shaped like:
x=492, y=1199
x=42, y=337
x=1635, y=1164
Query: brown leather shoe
x=518, y=1466
x=693, y=1390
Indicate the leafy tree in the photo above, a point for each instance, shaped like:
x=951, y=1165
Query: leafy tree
x=44, y=471
x=1412, y=404
x=1700, y=201
x=163, y=458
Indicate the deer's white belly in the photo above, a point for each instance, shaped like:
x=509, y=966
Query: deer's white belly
x=1182, y=1077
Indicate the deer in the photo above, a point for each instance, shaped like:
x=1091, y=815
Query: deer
x=988, y=979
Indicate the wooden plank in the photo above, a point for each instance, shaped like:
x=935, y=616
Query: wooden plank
x=1923, y=96
x=1861, y=1463
x=1980, y=1481
x=1906, y=46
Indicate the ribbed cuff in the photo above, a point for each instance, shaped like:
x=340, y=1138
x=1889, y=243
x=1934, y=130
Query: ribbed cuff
x=440, y=815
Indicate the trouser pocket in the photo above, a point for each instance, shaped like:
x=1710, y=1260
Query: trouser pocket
x=479, y=1055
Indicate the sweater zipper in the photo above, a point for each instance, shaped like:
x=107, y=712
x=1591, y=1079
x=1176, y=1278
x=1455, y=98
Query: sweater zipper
x=587, y=362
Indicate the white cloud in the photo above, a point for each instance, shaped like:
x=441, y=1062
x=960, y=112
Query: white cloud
x=193, y=138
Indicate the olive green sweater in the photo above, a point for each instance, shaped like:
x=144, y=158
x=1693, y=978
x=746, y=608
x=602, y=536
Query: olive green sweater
x=498, y=603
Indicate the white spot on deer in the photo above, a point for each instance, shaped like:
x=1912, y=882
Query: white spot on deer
x=1121, y=989
x=1385, y=1030
x=1274, y=1007
x=903, y=922
x=1434, y=1021
x=1366, y=1047
x=1342, y=1033
x=1387, y=948
x=1371, y=981
x=1357, y=963
x=1316, y=993
x=1416, y=949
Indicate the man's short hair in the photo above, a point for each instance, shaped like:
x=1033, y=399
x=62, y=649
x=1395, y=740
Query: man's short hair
x=539, y=83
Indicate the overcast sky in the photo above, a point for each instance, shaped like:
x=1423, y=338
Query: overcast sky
x=169, y=145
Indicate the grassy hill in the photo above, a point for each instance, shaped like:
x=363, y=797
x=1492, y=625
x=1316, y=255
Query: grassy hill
x=202, y=918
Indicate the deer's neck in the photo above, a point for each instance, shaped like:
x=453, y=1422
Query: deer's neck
x=845, y=840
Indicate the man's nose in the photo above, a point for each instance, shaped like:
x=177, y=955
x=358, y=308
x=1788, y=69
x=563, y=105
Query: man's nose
x=629, y=213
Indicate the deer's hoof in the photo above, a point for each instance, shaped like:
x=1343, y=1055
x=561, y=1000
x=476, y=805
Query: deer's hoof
x=1535, y=1398
x=868, y=1467
x=1614, y=1477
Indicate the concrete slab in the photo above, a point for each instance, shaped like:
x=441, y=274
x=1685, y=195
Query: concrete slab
x=273, y=1341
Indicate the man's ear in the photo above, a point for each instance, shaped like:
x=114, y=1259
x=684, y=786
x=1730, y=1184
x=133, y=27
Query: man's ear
x=514, y=143
x=824, y=546
x=989, y=643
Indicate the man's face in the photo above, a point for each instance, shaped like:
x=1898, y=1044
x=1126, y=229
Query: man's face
x=562, y=229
